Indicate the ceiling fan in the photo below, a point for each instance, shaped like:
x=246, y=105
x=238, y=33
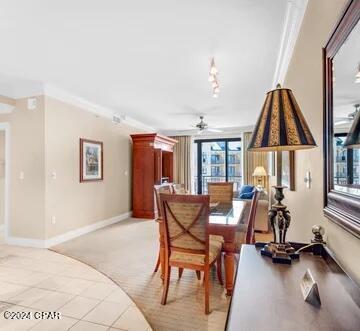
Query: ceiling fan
x=202, y=127
x=349, y=118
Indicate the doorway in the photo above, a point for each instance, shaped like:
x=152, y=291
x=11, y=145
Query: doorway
x=217, y=160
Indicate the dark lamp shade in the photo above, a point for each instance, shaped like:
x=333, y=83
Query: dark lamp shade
x=281, y=125
x=353, y=137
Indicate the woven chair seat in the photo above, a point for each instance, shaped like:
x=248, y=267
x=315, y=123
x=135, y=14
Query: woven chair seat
x=215, y=246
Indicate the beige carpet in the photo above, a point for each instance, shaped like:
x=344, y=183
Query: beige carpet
x=127, y=253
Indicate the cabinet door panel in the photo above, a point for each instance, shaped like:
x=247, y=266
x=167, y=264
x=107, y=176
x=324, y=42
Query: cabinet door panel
x=157, y=166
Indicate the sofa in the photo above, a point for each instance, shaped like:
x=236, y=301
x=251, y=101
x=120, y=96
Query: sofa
x=261, y=220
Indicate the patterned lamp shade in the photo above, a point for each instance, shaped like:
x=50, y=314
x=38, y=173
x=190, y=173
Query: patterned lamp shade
x=353, y=137
x=281, y=125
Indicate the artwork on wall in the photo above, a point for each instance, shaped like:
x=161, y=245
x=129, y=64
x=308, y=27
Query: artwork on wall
x=91, y=160
x=288, y=169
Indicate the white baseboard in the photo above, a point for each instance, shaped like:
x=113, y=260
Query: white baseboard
x=86, y=229
x=38, y=243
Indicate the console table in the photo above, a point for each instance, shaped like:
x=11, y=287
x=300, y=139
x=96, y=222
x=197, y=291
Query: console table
x=267, y=296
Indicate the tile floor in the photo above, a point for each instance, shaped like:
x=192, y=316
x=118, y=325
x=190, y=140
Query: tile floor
x=36, y=280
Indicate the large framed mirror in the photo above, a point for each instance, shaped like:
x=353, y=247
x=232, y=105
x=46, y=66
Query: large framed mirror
x=342, y=121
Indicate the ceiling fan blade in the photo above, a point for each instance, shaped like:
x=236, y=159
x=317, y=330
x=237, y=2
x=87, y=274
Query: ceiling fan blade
x=213, y=130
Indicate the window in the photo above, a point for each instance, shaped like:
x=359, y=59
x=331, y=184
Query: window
x=231, y=171
x=204, y=157
x=220, y=161
x=204, y=170
x=215, y=171
x=346, y=167
x=215, y=158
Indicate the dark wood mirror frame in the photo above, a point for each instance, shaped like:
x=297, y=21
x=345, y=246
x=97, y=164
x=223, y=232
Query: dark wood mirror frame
x=340, y=207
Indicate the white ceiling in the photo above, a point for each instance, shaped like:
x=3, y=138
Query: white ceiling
x=148, y=59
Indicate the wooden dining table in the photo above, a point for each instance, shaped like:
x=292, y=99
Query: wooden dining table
x=223, y=221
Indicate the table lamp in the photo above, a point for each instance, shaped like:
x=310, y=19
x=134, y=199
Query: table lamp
x=259, y=173
x=280, y=127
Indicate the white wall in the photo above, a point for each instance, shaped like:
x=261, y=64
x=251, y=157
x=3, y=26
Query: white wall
x=46, y=140
x=305, y=78
x=76, y=204
x=2, y=176
x=27, y=195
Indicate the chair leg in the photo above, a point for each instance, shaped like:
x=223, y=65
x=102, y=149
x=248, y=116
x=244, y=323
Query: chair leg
x=198, y=274
x=166, y=284
x=207, y=289
x=157, y=263
x=219, y=269
x=181, y=272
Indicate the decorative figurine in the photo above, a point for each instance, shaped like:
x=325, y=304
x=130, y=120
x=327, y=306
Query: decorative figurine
x=318, y=231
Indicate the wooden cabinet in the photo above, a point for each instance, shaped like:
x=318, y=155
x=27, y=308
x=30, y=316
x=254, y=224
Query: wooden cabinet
x=152, y=165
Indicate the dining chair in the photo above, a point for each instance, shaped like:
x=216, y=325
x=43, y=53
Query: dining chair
x=221, y=192
x=165, y=189
x=246, y=231
x=187, y=241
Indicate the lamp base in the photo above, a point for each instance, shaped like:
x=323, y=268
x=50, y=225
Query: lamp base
x=280, y=253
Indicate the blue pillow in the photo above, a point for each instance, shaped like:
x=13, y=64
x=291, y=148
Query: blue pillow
x=246, y=192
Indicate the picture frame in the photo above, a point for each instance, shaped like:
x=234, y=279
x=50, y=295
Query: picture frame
x=91, y=160
x=309, y=289
x=286, y=169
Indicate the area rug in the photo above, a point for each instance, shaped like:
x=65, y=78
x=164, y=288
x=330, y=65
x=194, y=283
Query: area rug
x=127, y=252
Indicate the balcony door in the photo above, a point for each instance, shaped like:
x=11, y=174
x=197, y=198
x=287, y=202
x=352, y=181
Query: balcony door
x=217, y=160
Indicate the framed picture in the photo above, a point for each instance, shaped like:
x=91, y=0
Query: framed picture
x=286, y=169
x=91, y=160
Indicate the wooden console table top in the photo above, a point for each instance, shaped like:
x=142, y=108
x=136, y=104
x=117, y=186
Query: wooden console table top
x=267, y=296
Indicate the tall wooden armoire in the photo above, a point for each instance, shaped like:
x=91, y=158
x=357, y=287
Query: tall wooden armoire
x=152, y=165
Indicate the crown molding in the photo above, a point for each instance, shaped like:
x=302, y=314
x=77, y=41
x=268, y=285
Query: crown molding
x=62, y=95
x=295, y=12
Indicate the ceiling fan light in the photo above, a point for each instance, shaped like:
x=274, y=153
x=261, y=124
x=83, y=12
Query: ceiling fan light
x=215, y=95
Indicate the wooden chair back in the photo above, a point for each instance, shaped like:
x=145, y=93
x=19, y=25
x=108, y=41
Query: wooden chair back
x=221, y=192
x=250, y=230
x=186, y=220
x=179, y=189
x=158, y=189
